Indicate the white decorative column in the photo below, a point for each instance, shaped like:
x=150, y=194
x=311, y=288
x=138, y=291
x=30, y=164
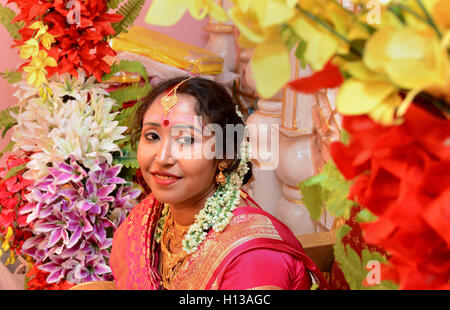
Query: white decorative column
x=222, y=42
x=305, y=137
x=266, y=119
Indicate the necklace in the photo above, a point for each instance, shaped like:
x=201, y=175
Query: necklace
x=173, y=256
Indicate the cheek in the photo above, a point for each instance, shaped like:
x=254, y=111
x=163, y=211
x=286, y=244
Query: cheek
x=144, y=156
x=203, y=171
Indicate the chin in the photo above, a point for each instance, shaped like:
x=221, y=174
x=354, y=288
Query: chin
x=167, y=196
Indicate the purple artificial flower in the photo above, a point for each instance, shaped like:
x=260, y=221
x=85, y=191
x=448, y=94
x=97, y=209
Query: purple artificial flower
x=71, y=210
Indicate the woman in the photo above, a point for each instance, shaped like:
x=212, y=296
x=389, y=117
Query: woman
x=198, y=229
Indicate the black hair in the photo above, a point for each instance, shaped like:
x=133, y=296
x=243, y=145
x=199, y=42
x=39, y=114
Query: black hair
x=214, y=103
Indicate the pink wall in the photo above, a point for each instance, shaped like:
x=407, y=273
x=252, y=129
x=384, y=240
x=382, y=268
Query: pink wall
x=187, y=30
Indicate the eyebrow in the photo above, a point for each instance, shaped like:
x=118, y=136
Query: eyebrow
x=188, y=126
x=175, y=126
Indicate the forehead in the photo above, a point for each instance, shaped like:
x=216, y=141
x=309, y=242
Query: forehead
x=184, y=109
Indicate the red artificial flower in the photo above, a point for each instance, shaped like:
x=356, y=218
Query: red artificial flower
x=402, y=175
x=329, y=77
x=79, y=43
x=12, y=192
x=30, y=9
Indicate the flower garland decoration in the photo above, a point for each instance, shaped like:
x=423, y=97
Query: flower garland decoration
x=74, y=212
x=68, y=123
x=218, y=209
x=75, y=119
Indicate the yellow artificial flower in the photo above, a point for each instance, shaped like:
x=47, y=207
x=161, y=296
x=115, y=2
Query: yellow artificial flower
x=380, y=100
x=259, y=26
x=36, y=68
x=37, y=25
x=441, y=14
x=270, y=66
x=257, y=21
x=358, y=70
x=11, y=259
x=47, y=40
x=168, y=12
x=9, y=233
x=165, y=12
x=29, y=49
x=5, y=245
x=412, y=59
x=40, y=27
x=200, y=8
x=321, y=44
x=8, y=237
x=330, y=12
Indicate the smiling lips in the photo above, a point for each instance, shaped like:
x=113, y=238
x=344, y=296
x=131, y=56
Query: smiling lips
x=164, y=178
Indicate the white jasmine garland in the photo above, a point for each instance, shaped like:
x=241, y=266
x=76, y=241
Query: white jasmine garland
x=218, y=209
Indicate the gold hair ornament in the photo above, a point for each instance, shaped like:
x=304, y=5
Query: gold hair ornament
x=169, y=101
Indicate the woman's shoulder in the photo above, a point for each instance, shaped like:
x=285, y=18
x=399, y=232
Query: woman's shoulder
x=251, y=223
x=253, y=240
x=249, y=213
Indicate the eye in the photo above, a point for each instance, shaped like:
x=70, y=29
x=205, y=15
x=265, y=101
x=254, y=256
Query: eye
x=151, y=136
x=186, y=140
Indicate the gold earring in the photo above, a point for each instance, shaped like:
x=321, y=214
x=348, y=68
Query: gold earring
x=220, y=177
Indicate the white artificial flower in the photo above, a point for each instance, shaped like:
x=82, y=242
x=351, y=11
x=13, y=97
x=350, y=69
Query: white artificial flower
x=75, y=119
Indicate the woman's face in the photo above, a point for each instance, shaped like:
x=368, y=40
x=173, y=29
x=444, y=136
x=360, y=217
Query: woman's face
x=170, y=153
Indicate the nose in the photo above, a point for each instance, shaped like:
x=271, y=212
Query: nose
x=164, y=155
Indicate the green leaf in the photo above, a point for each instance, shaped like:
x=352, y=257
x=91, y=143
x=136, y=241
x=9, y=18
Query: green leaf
x=328, y=189
x=345, y=137
x=7, y=148
x=312, y=200
x=14, y=171
x=365, y=216
x=11, y=76
x=128, y=158
x=300, y=52
x=6, y=120
x=6, y=17
x=127, y=66
x=125, y=117
x=129, y=93
x=354, y=267
x=114, y=4
x=289, y=37
x=130, y=11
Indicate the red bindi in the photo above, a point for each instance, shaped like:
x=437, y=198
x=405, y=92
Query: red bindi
x=166, y=122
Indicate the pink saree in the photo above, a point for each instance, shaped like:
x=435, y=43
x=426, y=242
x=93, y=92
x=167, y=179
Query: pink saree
x=255, y=250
